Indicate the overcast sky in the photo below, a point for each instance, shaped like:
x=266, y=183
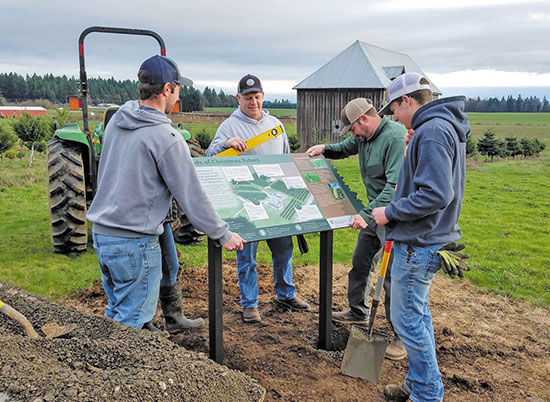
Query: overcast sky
x=467, y=43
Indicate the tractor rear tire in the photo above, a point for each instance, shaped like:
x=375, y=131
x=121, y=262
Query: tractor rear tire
x=186, y=233
x=67, y=197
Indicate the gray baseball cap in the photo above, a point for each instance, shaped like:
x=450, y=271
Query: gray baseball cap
x=352, y=111
x=402, y=85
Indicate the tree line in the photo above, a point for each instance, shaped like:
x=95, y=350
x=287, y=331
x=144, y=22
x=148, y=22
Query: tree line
x=509, y=104
x=17, y=88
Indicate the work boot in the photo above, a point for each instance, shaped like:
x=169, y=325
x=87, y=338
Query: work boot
x=396, y=350
x=396, y=393
x=251, y=314
x=171, y=303
x=148, y=326
x=295, y=304
x=347, y=317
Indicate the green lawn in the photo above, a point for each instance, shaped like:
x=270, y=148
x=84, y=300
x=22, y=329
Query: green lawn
x=505, y=223
x=509, y=118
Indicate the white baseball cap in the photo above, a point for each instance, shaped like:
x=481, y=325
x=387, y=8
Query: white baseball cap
x=402, y=85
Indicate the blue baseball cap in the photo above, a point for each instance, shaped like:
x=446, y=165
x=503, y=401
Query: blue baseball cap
x=162, y=69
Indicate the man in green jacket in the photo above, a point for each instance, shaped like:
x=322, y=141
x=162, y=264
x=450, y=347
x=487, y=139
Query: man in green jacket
x=379, y=144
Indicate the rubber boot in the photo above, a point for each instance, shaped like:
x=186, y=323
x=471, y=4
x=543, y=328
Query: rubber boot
x=148, y=326
x=172, y=304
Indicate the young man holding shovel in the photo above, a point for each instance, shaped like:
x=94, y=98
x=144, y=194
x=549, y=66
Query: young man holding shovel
x=422, y=220
x=379, y=144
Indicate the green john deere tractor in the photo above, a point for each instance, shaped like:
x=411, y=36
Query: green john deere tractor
x=73, y=159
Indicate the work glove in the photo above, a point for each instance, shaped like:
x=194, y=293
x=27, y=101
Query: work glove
x=452, y=262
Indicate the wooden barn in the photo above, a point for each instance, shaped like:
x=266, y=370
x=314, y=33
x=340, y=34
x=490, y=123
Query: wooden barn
x=17, y=111
x=362, y=70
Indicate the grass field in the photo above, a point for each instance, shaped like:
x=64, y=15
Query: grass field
x=505, y=222
x=510, y=118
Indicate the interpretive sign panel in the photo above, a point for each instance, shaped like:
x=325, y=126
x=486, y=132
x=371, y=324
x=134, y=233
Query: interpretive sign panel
x=268, y=196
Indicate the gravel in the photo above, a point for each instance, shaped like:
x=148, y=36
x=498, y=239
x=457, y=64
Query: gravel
x=104, y=360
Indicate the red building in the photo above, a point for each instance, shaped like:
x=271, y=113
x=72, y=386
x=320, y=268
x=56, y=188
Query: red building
x=9, y=112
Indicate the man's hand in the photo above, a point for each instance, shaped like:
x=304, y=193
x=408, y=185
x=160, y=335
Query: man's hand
x=316, y=150
x=238, y=144
x=175, y=224
x=408, y=136
x=379, y=215
x=452, y=261
x=235, y=243
x=357, y=222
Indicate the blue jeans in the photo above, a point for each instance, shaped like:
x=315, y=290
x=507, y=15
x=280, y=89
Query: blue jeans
x=412, y=272
x=130, y=272
x=170, y=263
x=281, y=254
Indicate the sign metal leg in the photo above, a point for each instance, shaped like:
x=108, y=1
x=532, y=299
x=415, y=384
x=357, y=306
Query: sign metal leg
x=325, y=291
x=215, y=305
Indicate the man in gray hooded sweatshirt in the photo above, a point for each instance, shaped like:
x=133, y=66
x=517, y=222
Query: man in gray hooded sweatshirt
x=144, y=162
x=249, y=120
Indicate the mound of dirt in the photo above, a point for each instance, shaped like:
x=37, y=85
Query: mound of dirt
x=489, y=348
x=103, y=360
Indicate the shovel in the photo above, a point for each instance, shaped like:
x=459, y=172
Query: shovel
x=51, y=329
x=365, y=350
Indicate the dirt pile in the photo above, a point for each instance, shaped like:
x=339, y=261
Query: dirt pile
x=103, y=360
x=489, y=348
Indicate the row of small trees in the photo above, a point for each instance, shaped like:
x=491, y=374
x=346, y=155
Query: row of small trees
x=490, y=146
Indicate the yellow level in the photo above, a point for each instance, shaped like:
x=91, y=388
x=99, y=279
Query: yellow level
x=255, y=141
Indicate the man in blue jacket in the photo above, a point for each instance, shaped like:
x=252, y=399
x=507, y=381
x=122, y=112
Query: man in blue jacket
x=421, y=219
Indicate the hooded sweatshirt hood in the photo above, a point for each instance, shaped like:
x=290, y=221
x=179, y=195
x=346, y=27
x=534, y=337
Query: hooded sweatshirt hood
x=133, y=116
x=450, y=110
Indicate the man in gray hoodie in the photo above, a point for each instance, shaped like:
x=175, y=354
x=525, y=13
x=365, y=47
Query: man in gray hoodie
x=144, y=163
x=245, y=123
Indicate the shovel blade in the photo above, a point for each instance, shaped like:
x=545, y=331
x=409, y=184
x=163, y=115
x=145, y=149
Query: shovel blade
x=54, y=330
x=364, y=355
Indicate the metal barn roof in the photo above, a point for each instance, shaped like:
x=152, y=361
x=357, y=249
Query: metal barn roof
x=362, y=65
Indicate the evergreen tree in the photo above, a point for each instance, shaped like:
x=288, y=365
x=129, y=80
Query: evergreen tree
x=491, y=146
x=528, y=147
x=513, y=147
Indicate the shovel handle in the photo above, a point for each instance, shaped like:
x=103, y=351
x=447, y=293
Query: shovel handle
x=386, y=258
x=20, y=318
x=379, y=285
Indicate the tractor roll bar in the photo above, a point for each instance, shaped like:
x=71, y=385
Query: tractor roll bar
x=84, y=79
